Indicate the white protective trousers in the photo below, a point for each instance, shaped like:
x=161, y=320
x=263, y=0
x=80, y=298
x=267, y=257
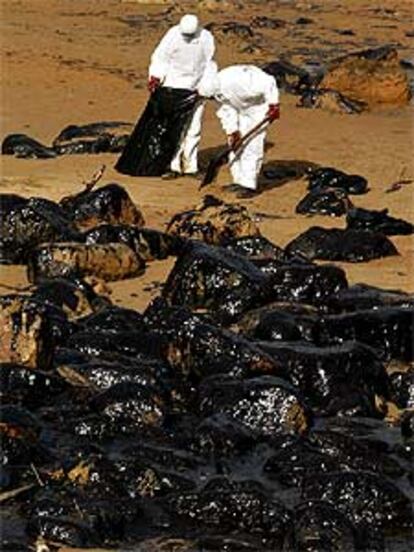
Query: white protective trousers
x=185, y=160
x=245, y=165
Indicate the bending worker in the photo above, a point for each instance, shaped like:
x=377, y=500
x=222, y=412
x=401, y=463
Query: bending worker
x=181, y=60
x=247, y=95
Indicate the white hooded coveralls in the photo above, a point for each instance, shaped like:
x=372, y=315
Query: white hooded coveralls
x=245, y=92
x=181, y=62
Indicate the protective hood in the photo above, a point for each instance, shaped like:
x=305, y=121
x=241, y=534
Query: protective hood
x=188, y=25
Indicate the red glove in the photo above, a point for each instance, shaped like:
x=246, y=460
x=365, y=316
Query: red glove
x=153, y=84
x=234, y=139
x=273, y=112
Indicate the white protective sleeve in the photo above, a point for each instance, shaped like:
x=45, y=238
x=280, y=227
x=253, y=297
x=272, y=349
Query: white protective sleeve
x=271, y=91
x=229, y=118
x=160, y=58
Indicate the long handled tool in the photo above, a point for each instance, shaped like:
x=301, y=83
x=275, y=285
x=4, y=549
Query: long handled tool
x=223, y=157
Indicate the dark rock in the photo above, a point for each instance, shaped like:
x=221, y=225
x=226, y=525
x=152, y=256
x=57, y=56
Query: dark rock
x=92, y=138
x=230, y=28
x=29, y=331
x=75, y=297
x=263, y=22
x=219, y=437
x=324, y=201
x=63, y=530
x=110, y=262
x=23, y=146
x=318, y=526
x=213, y=222
x=389, y=330
x=278, y=319
x=291, y=78
x=129, y=407
x=342, y=379
x=136, y=344
x=303, y=21
x=362, y=297
x=256, y=248
x=27, y=387
x=345, y=32
x=19, y=443
x=295, y=459
x=149, y=244
x=266, y=406
x=341, y=245
x=377, y=221
x=110, y=204
x=216, y=280
x=304, y=282
x=113, y=319
x=330, y=100
x=25, y=223
x=369, y=501
x=199, y=348
x=403, y=388
x=242, y=507
x=282, y=326
x=326, y=177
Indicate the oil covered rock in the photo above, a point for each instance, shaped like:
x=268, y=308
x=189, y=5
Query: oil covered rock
x=341, y=245
x=19, y=439
x=280, y=324
x=342, y=379
x=110, y=204
x=371, y=502
x=29, y=331
x=25, y=223
x=110, y=262
x=25, y=147
x=389, y=330
x=148, y=244
x=74, y=296
x=267, y=406
x=363, y=297
x=198, y=347
x=213, y=222
x=328, y=177
x=378, y=221
x=216, y=280
x=256, y=248
x=332, y=202
x=92, y=138
x=227, y=507
x=303, y=282
x=330, y=100
x=319, y=525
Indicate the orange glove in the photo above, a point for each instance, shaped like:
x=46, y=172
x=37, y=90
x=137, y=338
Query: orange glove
x=153, y=84
x=273, y=112
x=234, y=139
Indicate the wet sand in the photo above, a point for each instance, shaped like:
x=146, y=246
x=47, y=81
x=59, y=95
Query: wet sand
x=75, y=62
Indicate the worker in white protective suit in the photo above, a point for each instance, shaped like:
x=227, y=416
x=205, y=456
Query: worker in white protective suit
x=247, y=95
x=181, y=60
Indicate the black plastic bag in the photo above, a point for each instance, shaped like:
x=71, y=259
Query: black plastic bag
x=158, y=132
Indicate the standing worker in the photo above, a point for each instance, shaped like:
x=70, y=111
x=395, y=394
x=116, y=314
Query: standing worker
x=247, y=95
x=181, y=61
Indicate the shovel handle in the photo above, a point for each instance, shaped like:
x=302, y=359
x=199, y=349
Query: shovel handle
x=219, y=161
x=251, y=132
